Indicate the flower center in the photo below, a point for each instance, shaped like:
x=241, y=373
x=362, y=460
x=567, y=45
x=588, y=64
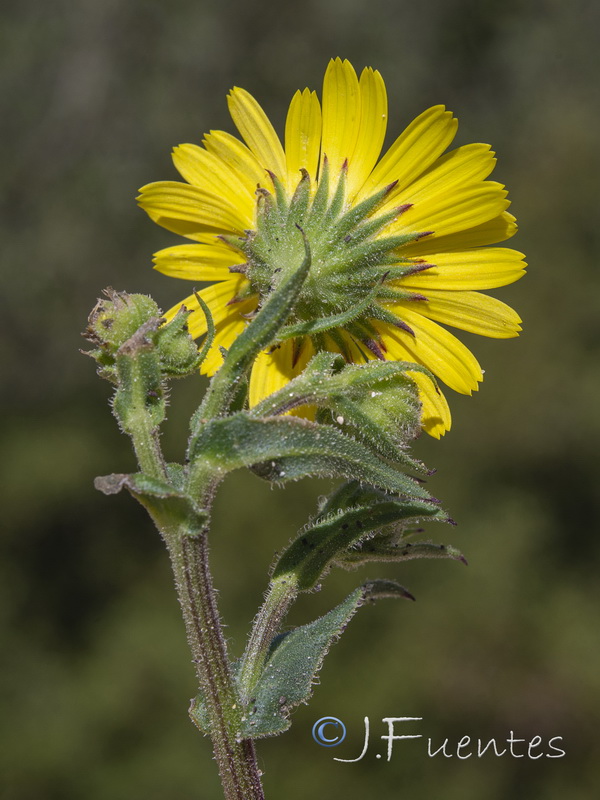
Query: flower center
x=352, y=263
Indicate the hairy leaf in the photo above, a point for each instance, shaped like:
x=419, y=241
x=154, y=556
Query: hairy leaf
x=288, y=448
x=296, y=658
x=389, y=549
x=329, y=538
x=323, y=380
x=162, y=500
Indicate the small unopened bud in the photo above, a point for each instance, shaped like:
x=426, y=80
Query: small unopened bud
x=113, y=321
x=177, y=350
x=129, y=323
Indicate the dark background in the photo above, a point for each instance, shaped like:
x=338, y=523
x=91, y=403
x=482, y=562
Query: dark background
x=96, y=675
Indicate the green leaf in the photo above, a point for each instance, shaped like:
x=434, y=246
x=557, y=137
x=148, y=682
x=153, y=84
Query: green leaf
x=323, y=380
x=289, y=448
x=386, y=436
x=162, y=500
x=394, y=550
x=312, y=554
x=297, y=656
x=376, y=402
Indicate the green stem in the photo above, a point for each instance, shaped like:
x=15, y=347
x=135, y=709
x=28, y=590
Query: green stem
x=139, y=404
x=235, y=757
x=147, y=448
x=282, y=592
x=186, y=540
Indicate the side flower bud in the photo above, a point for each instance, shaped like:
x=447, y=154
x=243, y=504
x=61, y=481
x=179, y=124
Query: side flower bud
x=113, y=322
x=124, y=323
x=177, y=350
x=138, y=351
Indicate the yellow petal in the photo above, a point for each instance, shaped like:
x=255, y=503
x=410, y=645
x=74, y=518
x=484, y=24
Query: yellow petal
x=455, y=211
x=273, y=370
x=492, y=231
x=421, y=143
x=198, y=233
x=237, y=157
x=371, y=130
x=456, y=169
x=217, y=297
x=191, y=230
x=303, y=136
x=257, y=131
x=341, y=114
x=483, y=268
x=470, y=311
x=203, y=169
x=167, y=201
x=435, y=413
x=434, y=348
x=197, y=262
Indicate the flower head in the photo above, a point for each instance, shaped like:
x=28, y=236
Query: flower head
x=398, y=244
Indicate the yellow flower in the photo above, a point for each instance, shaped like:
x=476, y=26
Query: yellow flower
x=398, y=244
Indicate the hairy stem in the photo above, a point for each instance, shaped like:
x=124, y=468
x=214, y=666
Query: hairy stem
x=147, y=448
x=185, y=534
x=235, y=756
x=281, y=594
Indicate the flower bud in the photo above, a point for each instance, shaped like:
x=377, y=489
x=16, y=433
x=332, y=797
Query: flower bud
x=177, y=350
x=114, y=321
x=132, y=322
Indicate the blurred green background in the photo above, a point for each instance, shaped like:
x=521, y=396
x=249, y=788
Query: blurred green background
x=96, y=676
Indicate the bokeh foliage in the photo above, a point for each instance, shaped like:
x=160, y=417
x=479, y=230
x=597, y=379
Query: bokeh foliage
x=96, y=678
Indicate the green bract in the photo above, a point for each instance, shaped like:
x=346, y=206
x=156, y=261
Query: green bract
x=350, y=257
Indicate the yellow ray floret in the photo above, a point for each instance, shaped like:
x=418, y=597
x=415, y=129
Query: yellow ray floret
x=237, y=157
x=483, y=268
x=423, y=141
x=257, y=131
x=277, y=366
x=341, y=113
x=435, y=417
x=197, y=262
x=469, y=311
x=203, y=169
x=303, y=136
